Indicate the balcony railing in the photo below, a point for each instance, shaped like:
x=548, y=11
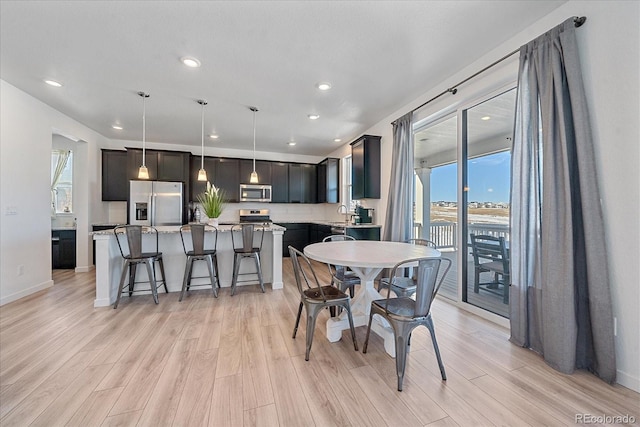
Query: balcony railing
x=444, y=234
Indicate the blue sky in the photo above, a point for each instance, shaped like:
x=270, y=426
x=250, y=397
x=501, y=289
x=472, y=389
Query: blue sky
x=489, y=179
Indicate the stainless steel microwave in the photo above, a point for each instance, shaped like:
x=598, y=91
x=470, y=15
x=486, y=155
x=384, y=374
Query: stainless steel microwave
x=255, y=193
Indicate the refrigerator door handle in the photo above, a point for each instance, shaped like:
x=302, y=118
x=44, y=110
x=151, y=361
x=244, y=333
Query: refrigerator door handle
x=152, y=200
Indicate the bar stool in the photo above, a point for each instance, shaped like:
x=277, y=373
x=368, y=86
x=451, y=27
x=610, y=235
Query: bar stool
x=132, y=255
x=246, y=248
x=199, y=253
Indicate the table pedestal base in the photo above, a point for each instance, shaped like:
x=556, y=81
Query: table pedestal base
x=360, y=309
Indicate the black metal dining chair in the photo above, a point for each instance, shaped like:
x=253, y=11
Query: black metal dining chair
x=315, y=297
x=198, y=252
x=404, y=314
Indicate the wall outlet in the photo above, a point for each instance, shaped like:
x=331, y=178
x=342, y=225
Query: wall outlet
x=20, y=270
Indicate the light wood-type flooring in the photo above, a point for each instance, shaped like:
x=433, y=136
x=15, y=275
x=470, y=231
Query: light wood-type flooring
x=231, y=361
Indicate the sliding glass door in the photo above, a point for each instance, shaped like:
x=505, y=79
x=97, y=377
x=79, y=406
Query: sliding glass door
x=462, y=165
x=436, y=207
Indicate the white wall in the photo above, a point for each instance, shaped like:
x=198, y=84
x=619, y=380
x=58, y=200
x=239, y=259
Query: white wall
x=26, y=129
x=610, y=55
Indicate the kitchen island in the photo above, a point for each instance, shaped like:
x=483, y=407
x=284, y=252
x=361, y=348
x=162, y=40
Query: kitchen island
x=109, y=261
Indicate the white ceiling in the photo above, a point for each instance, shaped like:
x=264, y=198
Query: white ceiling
x=378, y=55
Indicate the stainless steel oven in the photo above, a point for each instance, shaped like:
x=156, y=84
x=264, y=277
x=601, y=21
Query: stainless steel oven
x=255, y=193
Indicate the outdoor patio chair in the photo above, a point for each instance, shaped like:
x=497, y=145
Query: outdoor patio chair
x=490, y=255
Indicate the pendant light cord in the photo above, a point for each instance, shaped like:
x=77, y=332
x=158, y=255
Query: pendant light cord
x=254, y=138
x=144, y=127
x=203, y=103
x=144, y=96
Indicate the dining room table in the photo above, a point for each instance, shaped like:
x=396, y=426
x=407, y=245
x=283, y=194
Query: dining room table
x=367, y=259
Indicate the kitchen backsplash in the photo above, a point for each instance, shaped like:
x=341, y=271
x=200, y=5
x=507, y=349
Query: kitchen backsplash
x=280, y=212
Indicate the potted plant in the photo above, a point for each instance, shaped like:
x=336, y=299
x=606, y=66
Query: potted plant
x=212, y=202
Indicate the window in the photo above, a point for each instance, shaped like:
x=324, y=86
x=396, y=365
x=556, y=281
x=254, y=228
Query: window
x=61, y=181
x=348, y=202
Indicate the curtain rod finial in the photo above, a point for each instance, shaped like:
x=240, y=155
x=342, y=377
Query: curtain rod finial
x=579, y=20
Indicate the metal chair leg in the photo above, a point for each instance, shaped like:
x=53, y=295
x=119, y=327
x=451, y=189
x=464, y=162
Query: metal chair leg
x=366, y=340
x=123, y=276
x=295, y=328
x=353, y=329
x=152, y=279
x=132, y=276
x=187, y=275
x=164, y=280
x=432, y=331
x=257, y=259
x=215, y=264
x=236, y=268
x=209, y=261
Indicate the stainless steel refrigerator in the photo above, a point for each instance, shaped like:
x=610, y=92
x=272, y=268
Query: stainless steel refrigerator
x=156, y=202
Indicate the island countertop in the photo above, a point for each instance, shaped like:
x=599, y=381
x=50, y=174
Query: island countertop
x=167, y=229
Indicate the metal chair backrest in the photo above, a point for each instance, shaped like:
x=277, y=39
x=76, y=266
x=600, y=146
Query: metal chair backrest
x=133, y=235
x=423, y=242
x=303, y=271
x=197, y=232
x=338, y=238
x=337, y=271
x=489, y=248
x=427, y=282
x=249, y=232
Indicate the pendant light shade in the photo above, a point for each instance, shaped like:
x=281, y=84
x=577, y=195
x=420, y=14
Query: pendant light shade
x=254, y=175
x=202, y=174
x=143, y=172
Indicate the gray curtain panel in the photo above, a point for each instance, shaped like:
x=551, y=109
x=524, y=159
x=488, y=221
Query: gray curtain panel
x=560, y=297
x=399, y=220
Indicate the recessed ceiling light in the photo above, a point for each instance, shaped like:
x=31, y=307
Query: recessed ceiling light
x=212, y=136
x=485, y=118
x=291, y=143
x=337, y=140
x=116, y=127
x=314, y=116
x=323, y=86
x=53, y=83
x=190, y=62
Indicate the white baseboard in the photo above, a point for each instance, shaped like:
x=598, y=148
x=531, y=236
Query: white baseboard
x=627, y=380
x=25, y=292
x=85, y=269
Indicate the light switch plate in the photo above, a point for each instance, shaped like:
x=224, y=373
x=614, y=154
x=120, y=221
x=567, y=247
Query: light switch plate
x=11, y=210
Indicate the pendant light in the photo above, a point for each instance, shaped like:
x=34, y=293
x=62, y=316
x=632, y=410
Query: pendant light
x=202, y=174
x=254, y=174
x=143, y=172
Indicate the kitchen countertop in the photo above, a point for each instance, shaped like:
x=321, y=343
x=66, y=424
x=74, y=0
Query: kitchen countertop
x=167, y=229
x=63, y=228
x=331, y=223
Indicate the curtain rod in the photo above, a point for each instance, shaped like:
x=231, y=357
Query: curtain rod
x=577, y=21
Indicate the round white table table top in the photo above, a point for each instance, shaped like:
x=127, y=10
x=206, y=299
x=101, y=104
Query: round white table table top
x=367, y=253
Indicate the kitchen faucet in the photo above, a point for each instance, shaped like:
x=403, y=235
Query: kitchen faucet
x=346, y=213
